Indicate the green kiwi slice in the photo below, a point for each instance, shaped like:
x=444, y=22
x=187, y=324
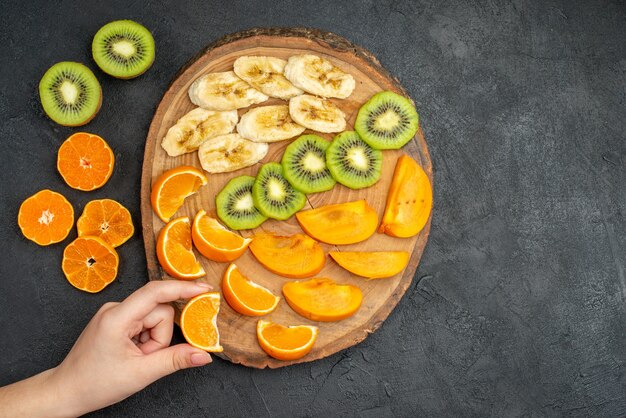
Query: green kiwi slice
x=70, y=94
x=352, y=162
x=123, y=49
x=235, y=206
x=304, y=164
x=273, y=195
x=387, y=121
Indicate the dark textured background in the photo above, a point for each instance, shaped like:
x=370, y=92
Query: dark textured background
x=518, y=306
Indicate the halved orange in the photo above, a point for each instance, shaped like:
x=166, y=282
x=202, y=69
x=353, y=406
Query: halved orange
x=245, y=296
x=172, y=187
x=174, y=250
x=198, y=321
x=286, y=343
x=46, y=217
x=85, y=161
x=90, y=264
x=107, y=219
x=214, y=241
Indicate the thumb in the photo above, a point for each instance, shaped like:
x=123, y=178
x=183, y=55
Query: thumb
x=174, y=358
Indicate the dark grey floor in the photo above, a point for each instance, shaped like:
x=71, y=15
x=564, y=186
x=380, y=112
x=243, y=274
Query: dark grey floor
x=518, y=307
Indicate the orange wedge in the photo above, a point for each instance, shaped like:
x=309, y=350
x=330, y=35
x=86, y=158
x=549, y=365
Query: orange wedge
x=107, y=219
x=286, y=343
x=90, y=264
x=174, y=250
x=322, y=299
x=85, y=161
x=172, y=187
x=245, y=296
x=198, y=321
x=214, y=241
x=46, y=217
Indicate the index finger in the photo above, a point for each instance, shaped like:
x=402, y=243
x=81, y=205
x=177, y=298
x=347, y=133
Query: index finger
x=145, y=299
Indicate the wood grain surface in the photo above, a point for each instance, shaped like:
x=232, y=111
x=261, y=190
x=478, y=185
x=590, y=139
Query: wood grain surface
x=380, y=296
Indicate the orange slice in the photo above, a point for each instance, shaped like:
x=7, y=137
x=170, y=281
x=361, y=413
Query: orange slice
x=46, y=217
x=323, y=299
x=245, y=296
x=214, y=241
x=174, y=250
x=198, y=321
x=85, y=161
x=170, y=190
x=106, y=219
x=374, y=264
x=286, y=343
x=90, y=264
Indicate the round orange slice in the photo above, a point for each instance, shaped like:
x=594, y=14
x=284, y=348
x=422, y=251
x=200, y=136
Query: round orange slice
x=85, y=161
x=286, y=343
x=172, y=187
x=174, y=250
x=214, y=241
x=198, y=321
x=90, y=264
x=106, y=219
x=245, y=296
x=46, y=217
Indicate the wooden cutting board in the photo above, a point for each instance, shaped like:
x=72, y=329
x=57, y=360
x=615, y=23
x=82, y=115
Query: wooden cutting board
x=379, y=296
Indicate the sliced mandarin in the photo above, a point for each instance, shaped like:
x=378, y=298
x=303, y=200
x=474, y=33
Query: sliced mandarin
x=286, y=343
x=174, y=250
x=172, y=187
x=46, y=217
x=245, y=296
x=85, y=161
x=90, y=264
x=214, y=241
x=198, y=321
x=107, y=219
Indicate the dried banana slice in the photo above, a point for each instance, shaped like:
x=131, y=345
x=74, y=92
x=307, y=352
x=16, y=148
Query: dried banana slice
x=317, y=114
x=266, y=75
x=268, y=124
x=318, y=76
x=223, y=91
x=231, y=152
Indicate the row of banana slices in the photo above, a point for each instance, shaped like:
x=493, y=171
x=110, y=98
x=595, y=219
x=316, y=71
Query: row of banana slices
x=306, y=81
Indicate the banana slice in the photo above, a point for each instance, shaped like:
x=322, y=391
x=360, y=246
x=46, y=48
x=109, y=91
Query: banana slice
x=226, y=153
x=268, y=124
x=191, y=130
x=223, y=91
x=266, y=75
x=317, y=114
x=318, y=76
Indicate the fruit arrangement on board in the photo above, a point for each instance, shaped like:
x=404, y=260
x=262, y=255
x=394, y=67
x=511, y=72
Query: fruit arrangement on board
x=226, y=143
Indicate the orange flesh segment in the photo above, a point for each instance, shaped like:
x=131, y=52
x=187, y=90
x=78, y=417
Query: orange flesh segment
x=106, y=219
x=172, y=187
x=199, y=322
x=322, y=299
x=90, y=264
x=85, y=161
x=46, y=217
x=174, y=250
x=373, y=265
x=295, y=256
x=216, y=242
x=246, y=297
x=286, y=343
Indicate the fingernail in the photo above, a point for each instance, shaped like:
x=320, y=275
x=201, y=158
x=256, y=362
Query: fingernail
x=205, y=285
x=200, y=359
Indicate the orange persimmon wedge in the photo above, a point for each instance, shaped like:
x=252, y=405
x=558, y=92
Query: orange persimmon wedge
x=322, y=299
x=286, y=343
x=295, y=256
x=174, y=250
x=409, y=200
x=198, y=322
x=245, y=296
x=374, y=264
x=341, y=223
x=214, y=241
x=172, y=187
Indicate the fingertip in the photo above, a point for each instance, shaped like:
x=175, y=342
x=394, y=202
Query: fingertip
x=201, y=358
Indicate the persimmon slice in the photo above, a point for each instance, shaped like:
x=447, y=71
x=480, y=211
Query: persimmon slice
x=107, y=219
x=286, y=343
x=46, y=217
x=409, y=200
x=90, y=264
x=198, y=322
x=172, y=187
x=174, y=250
x=341, y=223
x=214, y=241
x=245, y=296
x=322, y=299
x=85, y=161
x=372, y=264
x=295, y=256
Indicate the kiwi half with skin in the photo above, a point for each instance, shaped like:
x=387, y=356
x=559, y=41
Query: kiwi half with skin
x=387, y=121
x=273, y=195
x=352, y=162
x=235, y=206
x=123, y=49
x=70, y=93
x=304, y=164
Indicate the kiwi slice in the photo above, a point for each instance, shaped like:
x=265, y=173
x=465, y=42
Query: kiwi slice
x=387, y=121
x=123, y=49
x=235, y=206
x=352, y=162
x=273, y=194
x=304, y=164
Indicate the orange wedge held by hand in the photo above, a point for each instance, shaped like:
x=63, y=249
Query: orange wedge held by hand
x=245, y=296
x=322, y=299
x=46, y=217
x=174, y=250
x=172, y=187
x=85, y=161
x=295, y=256
x=198, y=322
x=90, y=264
x=374, y=264
x=107, y=219
x=286, y=343
x=214, y=241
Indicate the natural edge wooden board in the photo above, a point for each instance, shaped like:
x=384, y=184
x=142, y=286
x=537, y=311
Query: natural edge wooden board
x=318, y=42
